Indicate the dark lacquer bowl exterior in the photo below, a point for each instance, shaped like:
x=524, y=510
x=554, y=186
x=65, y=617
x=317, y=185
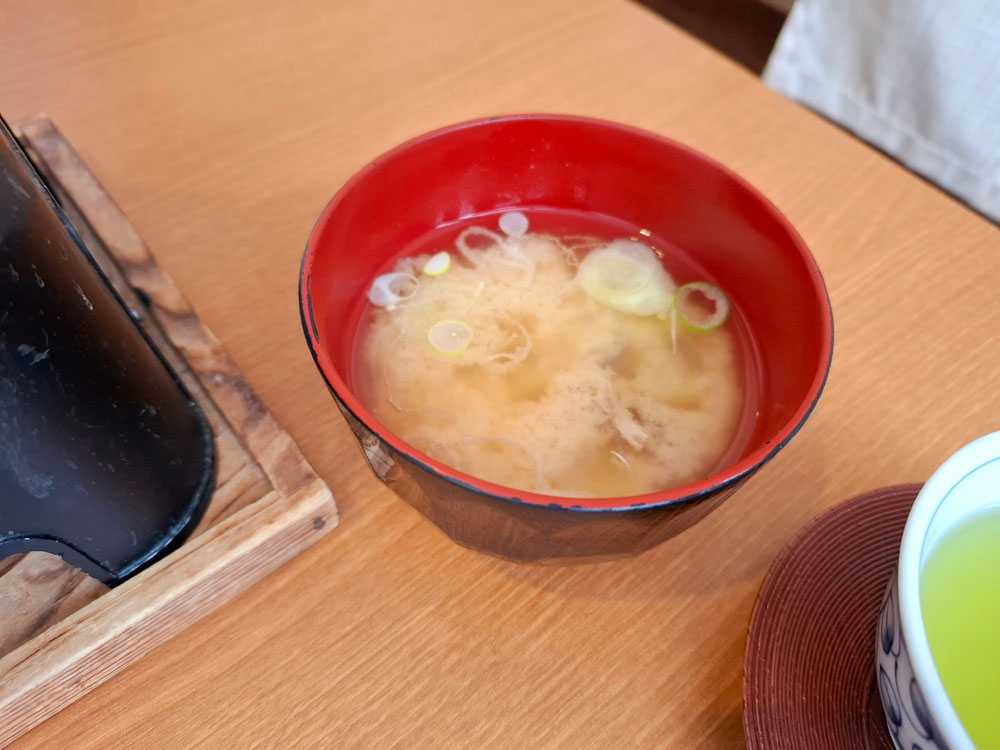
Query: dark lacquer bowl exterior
x=574, y=163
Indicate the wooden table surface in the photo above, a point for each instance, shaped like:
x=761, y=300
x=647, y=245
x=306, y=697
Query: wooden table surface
x=223, y=127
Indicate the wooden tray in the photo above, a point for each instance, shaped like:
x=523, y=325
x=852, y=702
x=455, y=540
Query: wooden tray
x=62, y=633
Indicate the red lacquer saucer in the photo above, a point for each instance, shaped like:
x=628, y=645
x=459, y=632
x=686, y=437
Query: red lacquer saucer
x=809, y=668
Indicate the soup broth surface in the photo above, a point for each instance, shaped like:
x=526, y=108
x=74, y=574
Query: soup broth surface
x=516, y=366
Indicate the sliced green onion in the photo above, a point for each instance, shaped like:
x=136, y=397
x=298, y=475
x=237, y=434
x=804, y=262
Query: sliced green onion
x=699, y=316
x=621, y=459
x=513, y=223
x=438, y=263
x=627, y=276
x=450, y=337
x=392, y=288
x=471, y=254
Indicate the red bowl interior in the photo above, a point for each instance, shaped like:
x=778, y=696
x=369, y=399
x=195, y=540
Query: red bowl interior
x=566, y=162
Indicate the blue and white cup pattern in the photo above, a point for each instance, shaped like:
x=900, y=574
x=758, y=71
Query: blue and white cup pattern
x=911, y=725
x=918, y=711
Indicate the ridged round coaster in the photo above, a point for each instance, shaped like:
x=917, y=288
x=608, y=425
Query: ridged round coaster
x=809, y=668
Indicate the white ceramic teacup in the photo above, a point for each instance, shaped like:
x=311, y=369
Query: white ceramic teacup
x=917, y=709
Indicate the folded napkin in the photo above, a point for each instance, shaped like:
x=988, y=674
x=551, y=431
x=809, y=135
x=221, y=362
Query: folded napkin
x=919, y=79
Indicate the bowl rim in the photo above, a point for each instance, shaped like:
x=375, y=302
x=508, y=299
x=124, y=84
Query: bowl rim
x=946, y=478
x=676, y=496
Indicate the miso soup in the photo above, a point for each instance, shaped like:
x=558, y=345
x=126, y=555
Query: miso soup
x=558, y=353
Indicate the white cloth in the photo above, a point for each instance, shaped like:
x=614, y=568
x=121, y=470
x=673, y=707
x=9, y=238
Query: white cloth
x=919, y=79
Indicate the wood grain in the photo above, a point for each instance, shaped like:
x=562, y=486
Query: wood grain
x=222, y=128
x=62, y=633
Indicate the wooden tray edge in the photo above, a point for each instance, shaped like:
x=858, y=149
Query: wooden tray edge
x=52, y=670
x=67, y=661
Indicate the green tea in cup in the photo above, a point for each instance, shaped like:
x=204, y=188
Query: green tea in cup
x=960, y=603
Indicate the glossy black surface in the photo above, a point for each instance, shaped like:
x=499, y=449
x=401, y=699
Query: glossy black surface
x=104, y=458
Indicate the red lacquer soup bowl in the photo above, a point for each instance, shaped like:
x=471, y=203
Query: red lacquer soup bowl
x=572, y=164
